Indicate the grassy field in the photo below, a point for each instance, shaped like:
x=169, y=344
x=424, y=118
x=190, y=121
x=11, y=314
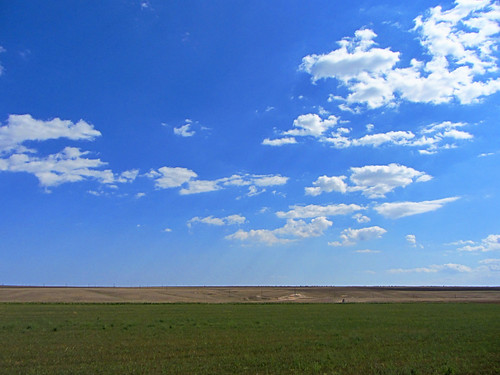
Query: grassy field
x=249, y=339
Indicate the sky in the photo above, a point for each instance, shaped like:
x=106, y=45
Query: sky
x=219, y=142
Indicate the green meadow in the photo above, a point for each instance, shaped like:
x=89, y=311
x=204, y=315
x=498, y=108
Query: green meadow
x=249, y=339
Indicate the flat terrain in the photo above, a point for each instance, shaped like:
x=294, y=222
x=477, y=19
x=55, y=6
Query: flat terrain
x=250, y=294
x=420, y=338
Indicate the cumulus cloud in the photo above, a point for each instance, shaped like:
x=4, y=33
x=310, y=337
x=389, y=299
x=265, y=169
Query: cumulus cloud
x=171, y=177
x=412, y=240
x=23, y=128
x=218, y=221
x=430, y=139
x=291, y=231
x=185, y=130
x=373, y=181
x=310, y=125
x=69, y=165
x=200, y=186
x=175, y=177
x=356, y=56
x=461, y=44
x=490, y=243
x=325, y=184
x=362, y=219
x=351, y=236
x=377, y=180
x=279, y=141
x=313, y=210
x=396, y=210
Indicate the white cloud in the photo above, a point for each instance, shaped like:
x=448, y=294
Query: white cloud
x=374, y=181
x=361, y=218
x=200, y=186
x=490, y=264
x=69, y=165
x=309, y=124
x=396, y=210
x=393, y=137
x=185, y=130
x=140, y=195
x=174, y=177
x=211, y=220
x=485, y=154
x=490, y=261
x=325, y=184
x=351, y=236
x=23, y=128
x=355, y=56
x=367, y=251
x=1, y=66
x=432, y=137
x=461, y=43
x=291, y=231
x=128, y=176
x=253, y=191
x=412, y=240
x=490, y=243
x=434, y=268
x=313, y=210
x=171, y=177
x=377, y=180
x=167, y=230
x=267, y=180
x=279, y=141
x=322, y=111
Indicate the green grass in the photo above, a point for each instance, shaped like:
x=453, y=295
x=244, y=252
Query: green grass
x=250, y=339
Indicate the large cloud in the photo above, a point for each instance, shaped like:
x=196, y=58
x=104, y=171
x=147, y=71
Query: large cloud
x=168, y=177
x=428, y=140
x=461, y=43
x=174, y=177
x=291, y=231
x=351, y=236
x=374, y=181
x=309, y=124
x=23, y=128
x=69, y=165
x=355, y=56
x=396, y=210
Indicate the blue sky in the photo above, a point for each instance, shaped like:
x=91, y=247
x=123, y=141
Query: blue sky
x=249, y=143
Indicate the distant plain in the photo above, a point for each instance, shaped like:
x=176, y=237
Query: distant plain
x=249, y=294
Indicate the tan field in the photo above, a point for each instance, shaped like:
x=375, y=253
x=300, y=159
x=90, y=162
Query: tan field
x=249, y=294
